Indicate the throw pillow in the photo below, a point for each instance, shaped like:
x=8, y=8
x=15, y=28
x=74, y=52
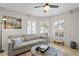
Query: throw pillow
x=17, y=41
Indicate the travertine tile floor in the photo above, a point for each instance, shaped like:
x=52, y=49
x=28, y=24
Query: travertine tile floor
x=69, y=51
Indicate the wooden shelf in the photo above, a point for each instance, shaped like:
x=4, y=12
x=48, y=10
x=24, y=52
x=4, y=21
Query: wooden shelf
x=57, y=42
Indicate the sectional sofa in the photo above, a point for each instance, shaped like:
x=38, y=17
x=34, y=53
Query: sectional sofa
x=22, y=43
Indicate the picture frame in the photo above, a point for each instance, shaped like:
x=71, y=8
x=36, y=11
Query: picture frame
x=12, y=23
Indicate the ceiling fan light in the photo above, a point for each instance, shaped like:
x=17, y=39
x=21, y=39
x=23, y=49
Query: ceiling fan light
x=45, y=11
x=46, y=8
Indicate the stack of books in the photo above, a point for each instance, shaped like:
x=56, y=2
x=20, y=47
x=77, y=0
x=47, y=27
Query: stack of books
x=42, y=48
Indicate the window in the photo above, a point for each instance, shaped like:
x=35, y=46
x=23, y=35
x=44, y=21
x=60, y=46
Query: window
x=59, y=29
x=31, y=27
x=44, y=27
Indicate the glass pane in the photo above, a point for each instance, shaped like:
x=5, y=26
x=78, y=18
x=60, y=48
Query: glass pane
x=33, y=27
x=46, y=30
x=41, y=29
x=29, y=27
x=61, y=25
x=44, y=27
x=59, y=28
x=56, y=25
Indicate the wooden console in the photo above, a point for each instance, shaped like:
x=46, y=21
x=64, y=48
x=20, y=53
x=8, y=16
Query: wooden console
x=59, y=42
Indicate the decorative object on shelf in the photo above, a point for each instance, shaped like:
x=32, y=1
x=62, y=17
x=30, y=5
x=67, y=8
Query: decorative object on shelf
x=59, y=42
x=11, y=23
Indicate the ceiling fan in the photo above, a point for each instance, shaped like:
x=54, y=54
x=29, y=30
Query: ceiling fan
x=46, y=6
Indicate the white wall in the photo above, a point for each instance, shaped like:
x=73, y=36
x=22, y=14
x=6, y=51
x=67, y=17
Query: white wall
x=71, y=26
x=7, y=32
x=25, y=18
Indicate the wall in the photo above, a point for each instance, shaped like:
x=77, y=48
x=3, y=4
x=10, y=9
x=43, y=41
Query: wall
x=7, y=32
x=71, y=27
x=25, y=18
x=0, y=37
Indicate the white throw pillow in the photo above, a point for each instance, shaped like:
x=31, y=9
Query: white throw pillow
x=17, y=41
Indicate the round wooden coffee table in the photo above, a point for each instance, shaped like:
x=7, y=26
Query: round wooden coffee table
x=50, y=52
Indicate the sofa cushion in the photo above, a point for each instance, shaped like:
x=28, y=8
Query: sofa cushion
x=16, y=41
x=27, y=44
x=38, y=37
x=43, y=35
x=13, y=37
x=22, y=45
x=29, y=37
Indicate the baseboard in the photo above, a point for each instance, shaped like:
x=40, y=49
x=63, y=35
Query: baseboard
x=1, y=51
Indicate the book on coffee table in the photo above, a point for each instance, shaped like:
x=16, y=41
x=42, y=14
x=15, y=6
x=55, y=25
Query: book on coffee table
x=43, y=48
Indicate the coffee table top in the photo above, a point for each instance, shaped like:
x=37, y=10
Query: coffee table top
x=50, y=52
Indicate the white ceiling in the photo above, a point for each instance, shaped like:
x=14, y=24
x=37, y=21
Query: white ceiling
x=28, y=8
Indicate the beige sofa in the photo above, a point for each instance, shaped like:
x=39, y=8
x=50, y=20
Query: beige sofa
x=19, y=44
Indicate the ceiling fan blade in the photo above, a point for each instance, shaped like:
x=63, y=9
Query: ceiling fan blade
x=54, y=6
x=38, y=6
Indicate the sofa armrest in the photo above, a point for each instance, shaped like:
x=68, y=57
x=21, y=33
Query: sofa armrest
x=9, y=47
